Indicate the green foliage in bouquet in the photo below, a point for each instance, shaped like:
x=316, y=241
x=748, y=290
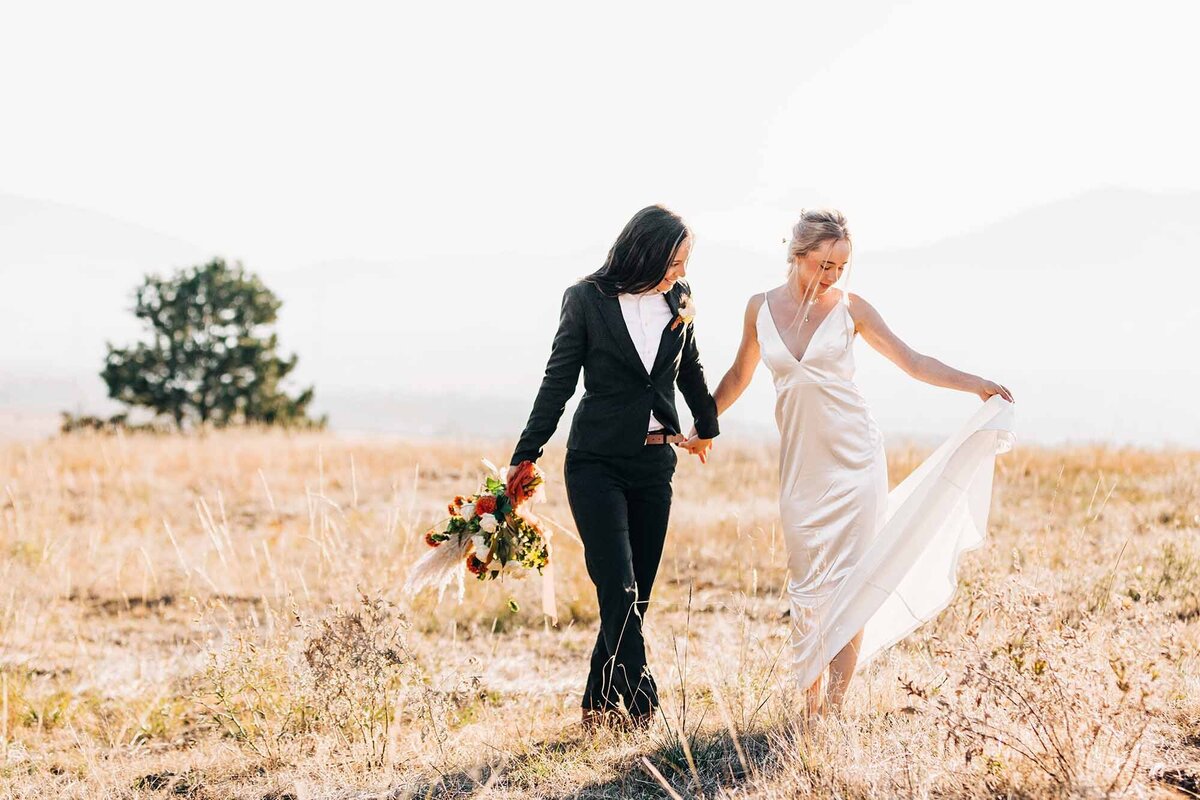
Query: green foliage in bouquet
x=499, y=534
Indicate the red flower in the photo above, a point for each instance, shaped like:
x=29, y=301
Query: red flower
x=475, y=566
x=523, y=481
x=453, y=509
x=459, y=500
x=486, y=504
x=429, y=540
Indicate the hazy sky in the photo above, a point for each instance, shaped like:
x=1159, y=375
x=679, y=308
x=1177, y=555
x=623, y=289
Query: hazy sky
x=291, y=134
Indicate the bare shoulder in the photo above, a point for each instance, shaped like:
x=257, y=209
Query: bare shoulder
x=750, y=320
x=860, y=309
x=754, y=307
x=857, y=300
x=861, y=312
x=756, y=301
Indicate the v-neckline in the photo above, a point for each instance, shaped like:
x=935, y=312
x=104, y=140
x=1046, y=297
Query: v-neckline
x=811, y=339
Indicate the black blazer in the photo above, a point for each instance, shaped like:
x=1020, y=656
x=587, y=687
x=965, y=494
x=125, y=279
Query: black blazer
x=618, y=392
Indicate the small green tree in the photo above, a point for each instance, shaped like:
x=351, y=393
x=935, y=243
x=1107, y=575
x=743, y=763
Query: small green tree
x=211, y=355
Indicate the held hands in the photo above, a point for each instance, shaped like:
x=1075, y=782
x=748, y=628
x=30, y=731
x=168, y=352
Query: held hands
x=988, y=388
x=697, y=446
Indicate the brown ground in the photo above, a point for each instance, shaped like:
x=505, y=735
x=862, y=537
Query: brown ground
x=220, y=616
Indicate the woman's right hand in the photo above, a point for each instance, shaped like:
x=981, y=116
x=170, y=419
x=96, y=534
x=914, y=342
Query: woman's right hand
x=989, y=388
x=698, y=447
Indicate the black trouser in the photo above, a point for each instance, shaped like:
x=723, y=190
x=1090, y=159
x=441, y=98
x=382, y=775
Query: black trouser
x=621, y=506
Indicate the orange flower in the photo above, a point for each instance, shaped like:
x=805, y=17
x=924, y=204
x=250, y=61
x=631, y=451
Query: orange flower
x=474, y=565
x=523, y=481
x=429, y=540
x=459, y=500
x=486, y=504
x=453, y=509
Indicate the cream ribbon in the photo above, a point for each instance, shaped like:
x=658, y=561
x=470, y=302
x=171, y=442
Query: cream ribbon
x=549, y=599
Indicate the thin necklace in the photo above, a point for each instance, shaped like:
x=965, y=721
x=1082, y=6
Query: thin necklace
x=808, y=306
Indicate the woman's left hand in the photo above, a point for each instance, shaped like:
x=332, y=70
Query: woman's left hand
x=988, y=388
x=698, y=447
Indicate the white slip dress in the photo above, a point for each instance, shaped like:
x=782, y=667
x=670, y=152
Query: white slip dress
x=861, y=557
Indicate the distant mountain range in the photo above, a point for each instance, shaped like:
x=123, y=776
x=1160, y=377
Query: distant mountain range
x=1086, y=307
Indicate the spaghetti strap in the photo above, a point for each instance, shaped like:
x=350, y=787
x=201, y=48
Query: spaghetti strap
x=861, y=558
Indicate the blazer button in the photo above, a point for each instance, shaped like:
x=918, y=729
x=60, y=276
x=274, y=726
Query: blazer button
x=649, y=387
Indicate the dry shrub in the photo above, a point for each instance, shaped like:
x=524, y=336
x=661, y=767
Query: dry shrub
x=1072, y=703
x=349, y=672
x=363, y=677
x=249, y=692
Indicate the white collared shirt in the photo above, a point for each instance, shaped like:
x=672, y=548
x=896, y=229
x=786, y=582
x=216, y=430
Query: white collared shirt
x=645, y=316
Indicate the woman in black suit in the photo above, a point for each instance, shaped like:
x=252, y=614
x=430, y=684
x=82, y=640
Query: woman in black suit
x=622, y=326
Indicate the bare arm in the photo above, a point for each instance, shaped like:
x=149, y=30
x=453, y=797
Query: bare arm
x=920, y=366
x=738, y=376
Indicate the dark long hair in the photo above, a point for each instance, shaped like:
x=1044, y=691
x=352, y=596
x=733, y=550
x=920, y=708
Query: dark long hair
x=639, y=259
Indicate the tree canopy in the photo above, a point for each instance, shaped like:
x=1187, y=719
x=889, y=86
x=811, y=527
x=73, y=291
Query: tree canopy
x=210, y=357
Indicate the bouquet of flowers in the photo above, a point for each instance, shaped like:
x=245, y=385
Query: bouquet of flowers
x=488, y=534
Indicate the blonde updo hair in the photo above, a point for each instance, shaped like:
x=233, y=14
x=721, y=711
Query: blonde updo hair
x=816, y=226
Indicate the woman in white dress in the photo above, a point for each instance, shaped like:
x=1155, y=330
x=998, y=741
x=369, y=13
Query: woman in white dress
x=866, y=567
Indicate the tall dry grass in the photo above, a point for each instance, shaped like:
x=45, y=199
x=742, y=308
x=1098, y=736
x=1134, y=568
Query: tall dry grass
x=219, y=616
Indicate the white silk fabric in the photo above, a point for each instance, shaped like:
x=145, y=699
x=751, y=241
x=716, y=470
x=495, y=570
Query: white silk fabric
x=861, y=558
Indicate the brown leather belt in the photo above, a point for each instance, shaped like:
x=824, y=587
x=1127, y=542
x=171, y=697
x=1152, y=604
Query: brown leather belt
x=662, y=437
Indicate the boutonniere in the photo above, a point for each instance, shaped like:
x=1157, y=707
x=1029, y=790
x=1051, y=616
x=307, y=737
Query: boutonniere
x=687, y=311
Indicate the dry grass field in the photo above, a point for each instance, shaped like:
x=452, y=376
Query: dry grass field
x=221, y=616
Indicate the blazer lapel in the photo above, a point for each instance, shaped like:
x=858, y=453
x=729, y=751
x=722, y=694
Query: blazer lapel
x=610, y=310
x=673, y=301
x=671, y=333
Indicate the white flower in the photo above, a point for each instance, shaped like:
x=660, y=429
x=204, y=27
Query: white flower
x=467, y=511
x=687, y=312
x=488, y=523
x=687, y=309
x=481, y=546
